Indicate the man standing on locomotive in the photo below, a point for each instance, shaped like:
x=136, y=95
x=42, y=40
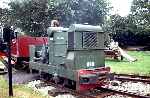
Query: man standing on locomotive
x=55, y=23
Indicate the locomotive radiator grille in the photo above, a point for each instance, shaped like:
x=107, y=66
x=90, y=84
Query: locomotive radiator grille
x=90, y=40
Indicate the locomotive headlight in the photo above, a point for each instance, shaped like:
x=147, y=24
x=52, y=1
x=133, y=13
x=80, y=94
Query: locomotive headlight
x=88, y=78
x=84, y=80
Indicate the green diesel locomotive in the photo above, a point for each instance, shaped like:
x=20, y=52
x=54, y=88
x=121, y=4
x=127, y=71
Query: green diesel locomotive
x=74, y=56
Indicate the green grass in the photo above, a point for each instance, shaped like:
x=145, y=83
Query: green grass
x=20, y=91
x=141, y=66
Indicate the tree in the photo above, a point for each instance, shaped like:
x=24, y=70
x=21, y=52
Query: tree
x=34, y=16
x=4, y=17
x=123, y=29
x=141, y=11
x=133, y=29
x=31, y=16
x=82, y=11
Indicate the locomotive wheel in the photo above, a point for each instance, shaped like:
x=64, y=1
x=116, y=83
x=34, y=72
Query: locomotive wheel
x=58, y=80
x=61, y=80
x=21, y=66
x=44, y=76
x=70, y=84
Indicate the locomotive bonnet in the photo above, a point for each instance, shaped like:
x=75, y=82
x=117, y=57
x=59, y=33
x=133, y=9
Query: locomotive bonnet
x=75, y=55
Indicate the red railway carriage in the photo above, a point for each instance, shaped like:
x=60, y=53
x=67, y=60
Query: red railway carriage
x=20, y=47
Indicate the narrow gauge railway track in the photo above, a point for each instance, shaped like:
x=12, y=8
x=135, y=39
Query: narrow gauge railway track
x=133, y=95
x=136, y=78
x=95, y=93
x=101, y=92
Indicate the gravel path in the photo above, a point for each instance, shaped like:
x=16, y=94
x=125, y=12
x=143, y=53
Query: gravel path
x=133, y=87
x=118, y=96
x=39, y=86
x=19, y=77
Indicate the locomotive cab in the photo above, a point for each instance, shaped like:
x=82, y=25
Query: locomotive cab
x=86, y=55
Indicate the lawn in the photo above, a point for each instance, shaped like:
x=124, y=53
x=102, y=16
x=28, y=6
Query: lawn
x=20, y=91
x=141, y=66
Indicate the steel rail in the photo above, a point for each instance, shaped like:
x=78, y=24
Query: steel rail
x=132, y=75
x=136, y=78
x=124, y=93
x=94, y=93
